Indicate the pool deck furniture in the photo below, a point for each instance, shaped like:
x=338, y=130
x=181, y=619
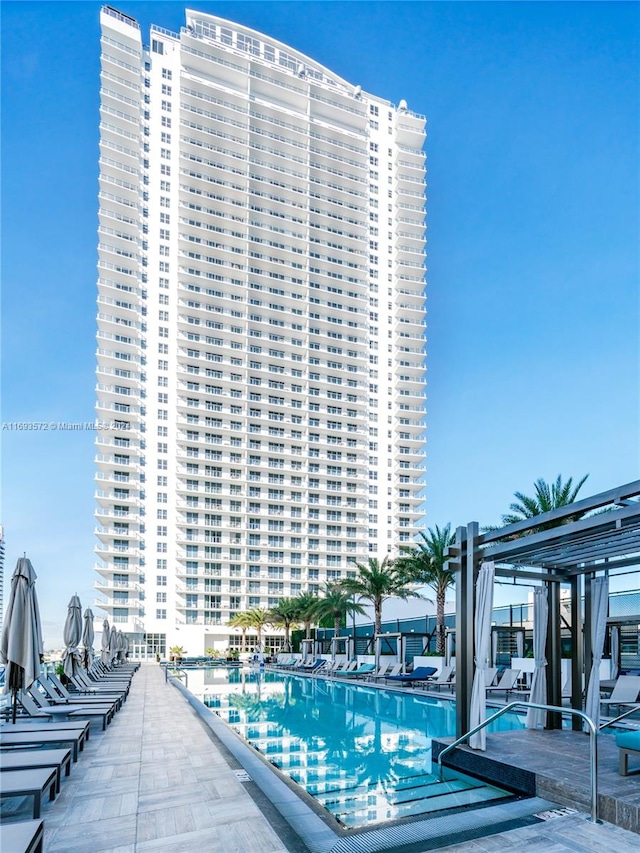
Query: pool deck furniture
x=29, y=783
x=625, y=692
x=443, y=679
x=24, y=836
x=419, y=674
x=629, y=744
x=37, y=705
x=33, y=736
x=30, y=759
x=362, y=671
x=59, y=693
x=507, y=683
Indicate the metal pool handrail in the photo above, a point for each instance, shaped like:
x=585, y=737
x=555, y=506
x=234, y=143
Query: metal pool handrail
x=593, y=743
x=633, y=710
x=176, y=672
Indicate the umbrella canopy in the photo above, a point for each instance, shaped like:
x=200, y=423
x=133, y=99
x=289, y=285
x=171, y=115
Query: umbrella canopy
x=21, y=647
x=87, y=638
x=105, y=655
x=72, y=634
x=482, y=639
x=113, y=644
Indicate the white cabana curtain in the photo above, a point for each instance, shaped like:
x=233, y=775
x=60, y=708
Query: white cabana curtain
x=599, y=608
x=494, y=648
x=482, y=641
x=615, y=651
x=538, y=695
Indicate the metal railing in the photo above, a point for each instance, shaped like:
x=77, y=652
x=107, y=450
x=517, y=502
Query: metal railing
x=628, y=713
x=176, y=672
x=593, y=743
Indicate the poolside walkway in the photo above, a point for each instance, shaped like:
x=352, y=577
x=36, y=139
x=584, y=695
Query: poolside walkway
x=157, y=780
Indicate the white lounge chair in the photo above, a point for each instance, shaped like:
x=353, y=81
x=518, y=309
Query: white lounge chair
x=507, y=683
x=625, y=692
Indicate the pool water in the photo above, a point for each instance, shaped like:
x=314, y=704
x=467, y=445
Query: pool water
x=363, y=753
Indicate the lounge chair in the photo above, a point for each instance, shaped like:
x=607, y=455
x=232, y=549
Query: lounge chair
x=625, y=691
x=26, y=836
x=361, y=671
x=285, y=662
x=444, y=678
x=44, y=736
x=419, y=674
x=380, y=672
x=56, y=697
x=311, y=667
x=36, y=705
x=34, y=759
x=396, y=669
x=95, y=692
x=507, y=683
x=628, y=744
x=29, y=783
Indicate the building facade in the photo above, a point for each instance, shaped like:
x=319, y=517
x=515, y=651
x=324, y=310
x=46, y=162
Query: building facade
x=261, y=328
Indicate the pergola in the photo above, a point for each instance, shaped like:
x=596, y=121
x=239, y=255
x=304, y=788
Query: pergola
x=554, y=549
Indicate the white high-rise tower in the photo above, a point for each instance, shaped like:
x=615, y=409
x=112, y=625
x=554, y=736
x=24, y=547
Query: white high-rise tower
x=261, y=320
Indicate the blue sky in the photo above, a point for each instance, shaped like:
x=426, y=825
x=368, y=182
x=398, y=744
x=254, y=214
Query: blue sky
x=533, y=269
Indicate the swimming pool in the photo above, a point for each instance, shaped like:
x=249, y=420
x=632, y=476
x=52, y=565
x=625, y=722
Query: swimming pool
x=363, y=753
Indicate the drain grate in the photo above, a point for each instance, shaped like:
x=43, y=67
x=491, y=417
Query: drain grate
x=551, y=813
x=243, y=776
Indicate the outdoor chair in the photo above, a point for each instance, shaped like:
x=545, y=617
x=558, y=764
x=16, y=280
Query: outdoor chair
x=59, y=697
x=507, y=683
x=29, y=783
x=82, y=682
x=628, y=744
x=37, y=735
x=34, y=759
x=22, y=836
x=382, y=670
x=419, y=674
x=36, y=705
x=625, y=691
x=396, y=669
x=444, y=678
x=361, y=671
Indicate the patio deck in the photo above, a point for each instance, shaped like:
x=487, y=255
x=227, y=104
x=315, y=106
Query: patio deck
x=555, y=765
x=157, y=780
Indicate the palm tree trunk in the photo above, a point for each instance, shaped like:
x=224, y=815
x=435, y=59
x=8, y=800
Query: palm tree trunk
x=336, y=626
x=244, y=639
x=440, y=598
x=378, y=616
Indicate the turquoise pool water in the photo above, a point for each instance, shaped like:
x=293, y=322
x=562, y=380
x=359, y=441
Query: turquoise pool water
x=363, y=753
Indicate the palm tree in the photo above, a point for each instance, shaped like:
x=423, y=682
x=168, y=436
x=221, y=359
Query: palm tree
x=547, y=497
x=306, y=604
x=258, y=619
x=285, y=613
x=426, y=563
x=335, y=603
x=242, y=620
x=377, y=581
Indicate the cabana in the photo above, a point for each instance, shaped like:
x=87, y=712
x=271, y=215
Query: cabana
x=556, y=550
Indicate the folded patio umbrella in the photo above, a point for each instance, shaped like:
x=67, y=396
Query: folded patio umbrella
x=21, y=646
x=113, y=644
x=87, y=638
x=105, y=655
x=72, y=634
